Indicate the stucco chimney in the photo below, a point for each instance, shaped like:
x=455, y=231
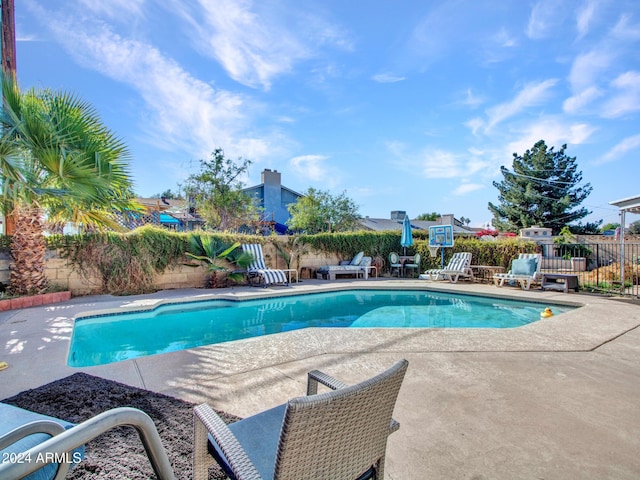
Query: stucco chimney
x=271, y=177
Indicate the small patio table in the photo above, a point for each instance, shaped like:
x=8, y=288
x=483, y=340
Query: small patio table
x=484, y=273
x=560, y=281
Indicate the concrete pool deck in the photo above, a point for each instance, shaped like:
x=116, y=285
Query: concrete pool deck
x=559, y=398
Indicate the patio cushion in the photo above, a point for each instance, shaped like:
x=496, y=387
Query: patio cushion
x=12, y=417
x=357, y=259
x=524, y=266
x=259, y=435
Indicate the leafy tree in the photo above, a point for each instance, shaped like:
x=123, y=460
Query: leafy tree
x=429, y=217
x=634, y=227
x=217, y=193
x=588, y=228
x=541, y=189
x=56, y=159
x=609, y=226
x=319, y=211
x=465, y=221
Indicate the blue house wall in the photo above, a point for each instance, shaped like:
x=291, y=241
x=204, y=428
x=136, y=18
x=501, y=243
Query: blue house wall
x=273, y=197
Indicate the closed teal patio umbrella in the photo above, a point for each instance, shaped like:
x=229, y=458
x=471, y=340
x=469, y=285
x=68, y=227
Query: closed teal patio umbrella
x=406, y=239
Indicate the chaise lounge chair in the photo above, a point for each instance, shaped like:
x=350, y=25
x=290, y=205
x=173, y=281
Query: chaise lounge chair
x=458, y=266
x=45, y=447
x=524, y=270
x=341, y=434
x=358, y=266
x=257, y=271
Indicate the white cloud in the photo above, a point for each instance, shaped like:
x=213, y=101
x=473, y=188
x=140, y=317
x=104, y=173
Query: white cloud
x=310, y=167
x=626, y=98
x=471, y=99
x=588, y=67
x=532, y=94
x=625, y=30
x=498, y=47
x=475, y=124
x=545, y=16
x=256, y=42
x=555, y=131
x=115, y=9
x=387, y=78
x=584, y=17
x=467, y=188
x=440, y=164
x=478, y=163
x=25, y=37
x=626, y=145
x=576, y=103
x=504, y=39
x=285, y=119
x=181, y=112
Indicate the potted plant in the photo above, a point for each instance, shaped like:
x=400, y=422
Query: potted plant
x=569, y=250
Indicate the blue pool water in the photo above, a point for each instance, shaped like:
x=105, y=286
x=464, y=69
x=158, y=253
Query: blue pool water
x=105, y=339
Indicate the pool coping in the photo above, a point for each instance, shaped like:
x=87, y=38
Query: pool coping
x=42, y=335
x=247, y=296
x=319, y=333
x=572, y=332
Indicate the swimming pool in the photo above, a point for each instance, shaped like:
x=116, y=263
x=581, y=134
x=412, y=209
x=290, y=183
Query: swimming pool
x=105, y=339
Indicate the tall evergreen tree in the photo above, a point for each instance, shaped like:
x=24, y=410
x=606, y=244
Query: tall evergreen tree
x=541, y=189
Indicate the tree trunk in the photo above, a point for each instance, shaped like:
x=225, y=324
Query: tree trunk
x=28, y=253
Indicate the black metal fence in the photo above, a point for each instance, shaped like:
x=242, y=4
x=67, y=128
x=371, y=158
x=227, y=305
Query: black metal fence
x=599, y=266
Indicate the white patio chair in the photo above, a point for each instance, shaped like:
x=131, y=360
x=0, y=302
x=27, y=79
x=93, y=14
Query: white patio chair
x=524, y=270
x=458, y=266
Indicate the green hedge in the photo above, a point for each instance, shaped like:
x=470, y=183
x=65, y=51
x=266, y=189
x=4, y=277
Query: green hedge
x=128, y=262
x=498, y=253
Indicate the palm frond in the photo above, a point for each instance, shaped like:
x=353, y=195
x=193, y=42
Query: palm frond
x=55, y=151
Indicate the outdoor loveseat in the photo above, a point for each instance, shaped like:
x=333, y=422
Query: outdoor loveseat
x=358, y=266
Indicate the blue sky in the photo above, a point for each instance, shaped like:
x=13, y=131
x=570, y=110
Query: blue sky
x=405, y=105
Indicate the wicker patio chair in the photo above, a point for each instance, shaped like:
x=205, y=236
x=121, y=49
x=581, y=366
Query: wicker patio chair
x=336, y=435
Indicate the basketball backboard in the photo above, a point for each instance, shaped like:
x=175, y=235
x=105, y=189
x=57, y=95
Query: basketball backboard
x=441, y=236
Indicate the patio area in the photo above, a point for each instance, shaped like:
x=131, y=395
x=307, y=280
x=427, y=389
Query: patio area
x=557, y=398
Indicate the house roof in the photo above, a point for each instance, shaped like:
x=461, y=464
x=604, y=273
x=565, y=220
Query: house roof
x=162, y=204
x=176, y=208
x=261, y=186
x=380, y=224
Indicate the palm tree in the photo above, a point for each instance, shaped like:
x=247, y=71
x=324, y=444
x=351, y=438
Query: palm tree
x=56, y=159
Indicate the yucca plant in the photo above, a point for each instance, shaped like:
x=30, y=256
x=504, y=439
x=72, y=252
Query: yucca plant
x=216, y=255
x=57, y=160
